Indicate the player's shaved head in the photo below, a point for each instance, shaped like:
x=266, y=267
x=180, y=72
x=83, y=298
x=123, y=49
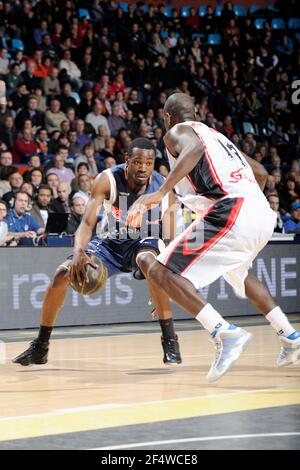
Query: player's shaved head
x=179, y=107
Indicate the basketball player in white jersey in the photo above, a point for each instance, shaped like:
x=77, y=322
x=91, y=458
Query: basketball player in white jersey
x=213, y=178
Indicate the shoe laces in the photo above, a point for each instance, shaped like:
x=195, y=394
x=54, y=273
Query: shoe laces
x=218, y=348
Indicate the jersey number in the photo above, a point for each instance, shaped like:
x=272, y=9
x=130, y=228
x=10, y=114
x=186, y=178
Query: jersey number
x=231, y=151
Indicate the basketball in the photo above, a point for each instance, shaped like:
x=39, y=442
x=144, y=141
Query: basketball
x=97, y=278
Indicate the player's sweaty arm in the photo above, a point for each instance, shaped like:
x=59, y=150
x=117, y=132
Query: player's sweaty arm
x=100, y=191
x=259, y=171
x=181, y=141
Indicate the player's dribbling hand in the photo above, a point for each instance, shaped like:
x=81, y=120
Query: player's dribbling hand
x=143, y=204
x=78, y=268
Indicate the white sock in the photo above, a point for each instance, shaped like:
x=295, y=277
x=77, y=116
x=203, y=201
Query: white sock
x=280, y=322
x=211, y=319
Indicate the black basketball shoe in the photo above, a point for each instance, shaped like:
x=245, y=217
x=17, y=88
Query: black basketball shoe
x=37, y=353
x=171, y=350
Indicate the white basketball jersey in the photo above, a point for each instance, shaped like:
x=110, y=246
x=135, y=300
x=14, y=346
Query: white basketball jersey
x=222, y=171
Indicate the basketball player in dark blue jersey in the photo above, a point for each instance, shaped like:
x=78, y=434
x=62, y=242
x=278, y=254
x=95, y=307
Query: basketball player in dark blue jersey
x=121, y=248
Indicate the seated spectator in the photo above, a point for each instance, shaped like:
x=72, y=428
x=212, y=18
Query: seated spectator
x=109, y=162
x=50, y=84
x=135, y=105
x=4, y=63
x=109, y=148
x=33, y=162
x=36, y=177
x=42, y=141
x=120, y=101
x=5, y=173
x=293, y=224
x=60, y=205
x=40, y=70
x=249, y=138
x=117, y=85
x=131, y=124
x=39, y=33
x=54, y=116
x=14, y=79
x=52, y=181
x=27, y=188
x=115, y=121
x=84, y=188
x=41, y=100
x=83, y=137
x=74, y=147
x=89, y=158
x=64, y=174
x=15, y=181
x=30, y=112
x=19, y=97
x=5, y=236
x=28, y=76
x=288, y=194
x=266, y=59
x=20, y=223
x=227, y=128
x=6, y=159
x=70, y=67
x=96, y=118
x=82, y=169
x=41, y=207
x=24, y=147
x=86, y=104
x=99, y=140
x=274, y=204
x=66, y=99
x=77, y=210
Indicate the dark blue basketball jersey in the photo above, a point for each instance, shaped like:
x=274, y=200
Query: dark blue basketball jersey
x=121, y=199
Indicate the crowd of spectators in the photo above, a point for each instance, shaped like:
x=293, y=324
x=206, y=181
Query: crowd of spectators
x=79, y=88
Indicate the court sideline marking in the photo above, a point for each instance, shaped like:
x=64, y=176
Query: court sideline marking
x=198, y=439
x=65, y=421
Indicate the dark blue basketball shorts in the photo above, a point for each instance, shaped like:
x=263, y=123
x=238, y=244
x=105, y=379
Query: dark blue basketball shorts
x=120, y=255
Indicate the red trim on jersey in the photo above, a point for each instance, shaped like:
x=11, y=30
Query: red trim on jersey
x=188, y=231
x=210, y=243
x=192, y=184
x=214, y=173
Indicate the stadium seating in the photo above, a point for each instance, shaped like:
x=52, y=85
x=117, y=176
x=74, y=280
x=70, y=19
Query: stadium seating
x=17, y=45
x=240, y=10
x=198, y=35
x=168, y=12
x=185, y=11
x=84, y=13
x=202, y=10
x=248, y=127
x=214, y=39
x=124, y=6
x=218, y=10
x=294, y=23
x=278, y=23
x=259, y=23
x=254, y=9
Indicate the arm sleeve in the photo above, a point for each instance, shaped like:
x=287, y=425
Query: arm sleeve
x=33, y=225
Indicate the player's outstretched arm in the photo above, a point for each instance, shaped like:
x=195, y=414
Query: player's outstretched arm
x=100, y=191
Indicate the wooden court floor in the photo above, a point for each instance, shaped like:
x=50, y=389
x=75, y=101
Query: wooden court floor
x=113, y=378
